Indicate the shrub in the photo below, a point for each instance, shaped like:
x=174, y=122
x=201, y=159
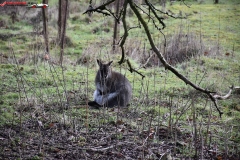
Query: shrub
x=181, y=47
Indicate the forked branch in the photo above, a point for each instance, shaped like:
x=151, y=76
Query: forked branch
x=212, y=95
x=101, y=9
x=164, y=62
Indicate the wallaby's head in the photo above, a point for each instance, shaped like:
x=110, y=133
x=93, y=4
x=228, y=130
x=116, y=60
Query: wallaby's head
x=105, y=69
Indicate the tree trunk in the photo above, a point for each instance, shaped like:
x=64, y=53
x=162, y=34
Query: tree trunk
x=13, y=16
x=216, y=1
x=63, y=27
x=116, y=29
x=45, y=26
x=59, y=20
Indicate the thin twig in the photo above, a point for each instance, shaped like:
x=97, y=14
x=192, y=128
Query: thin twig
x=133, y=70
x=100, y=9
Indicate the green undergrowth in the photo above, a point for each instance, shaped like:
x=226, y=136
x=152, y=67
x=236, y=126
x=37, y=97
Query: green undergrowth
x=44, y=81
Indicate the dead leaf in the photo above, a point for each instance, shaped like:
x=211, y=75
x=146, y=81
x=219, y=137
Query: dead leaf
x=152, y=130
x=219, y=158
x=119, y=122
x=227, y=54
x=46, y=56
x=56, y=150
x=51, y=125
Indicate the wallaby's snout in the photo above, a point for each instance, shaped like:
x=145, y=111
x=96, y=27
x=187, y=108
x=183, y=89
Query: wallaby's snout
x=112, y=88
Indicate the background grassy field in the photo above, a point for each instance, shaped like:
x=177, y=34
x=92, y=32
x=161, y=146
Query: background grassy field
x=38, y=97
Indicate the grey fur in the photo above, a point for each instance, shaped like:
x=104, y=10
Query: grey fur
x=112, y=88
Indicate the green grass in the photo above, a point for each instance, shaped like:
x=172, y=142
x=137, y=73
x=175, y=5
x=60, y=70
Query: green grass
x=212, y=21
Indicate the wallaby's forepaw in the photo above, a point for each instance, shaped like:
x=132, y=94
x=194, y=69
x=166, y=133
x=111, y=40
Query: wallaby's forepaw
x=94, y=104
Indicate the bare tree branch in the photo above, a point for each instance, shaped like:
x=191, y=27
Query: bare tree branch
x=170, y=15
x=144, y=65
x=100, y=9
x=185, y=4
x=165, y=63
x=160, y=19
x=133, y=70
x=151, y=9
x=151, y=18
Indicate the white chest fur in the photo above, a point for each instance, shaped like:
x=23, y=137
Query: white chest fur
x=102, y=87
x=101, y=98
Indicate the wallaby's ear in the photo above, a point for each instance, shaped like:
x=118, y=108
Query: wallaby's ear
x=99, y=62
x=110, y=63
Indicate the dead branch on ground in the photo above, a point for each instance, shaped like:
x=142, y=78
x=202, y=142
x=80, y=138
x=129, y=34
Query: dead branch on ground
x=216, y=96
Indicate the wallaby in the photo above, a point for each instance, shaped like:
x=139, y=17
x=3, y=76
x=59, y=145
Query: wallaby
x=112, y=88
